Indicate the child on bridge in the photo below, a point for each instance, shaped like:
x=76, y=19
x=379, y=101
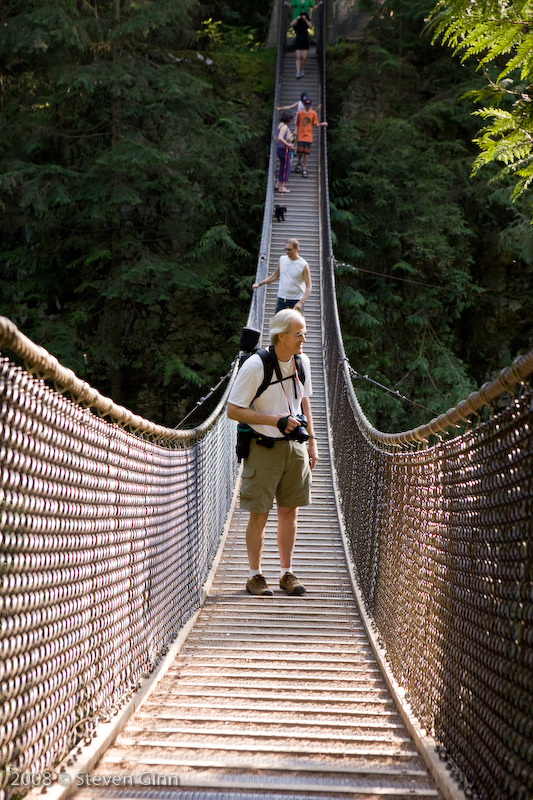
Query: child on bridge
x=306, y=120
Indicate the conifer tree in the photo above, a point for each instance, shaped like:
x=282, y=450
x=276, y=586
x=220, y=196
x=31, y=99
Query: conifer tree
x=119, y=172
x=434, y=279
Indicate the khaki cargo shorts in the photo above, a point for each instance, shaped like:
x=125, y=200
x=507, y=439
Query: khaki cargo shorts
x=281, y=472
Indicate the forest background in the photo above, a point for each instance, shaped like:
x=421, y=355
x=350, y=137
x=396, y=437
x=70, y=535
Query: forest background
x=134, y=145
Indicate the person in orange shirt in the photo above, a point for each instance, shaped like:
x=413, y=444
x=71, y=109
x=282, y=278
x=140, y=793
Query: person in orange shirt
x=306, y=120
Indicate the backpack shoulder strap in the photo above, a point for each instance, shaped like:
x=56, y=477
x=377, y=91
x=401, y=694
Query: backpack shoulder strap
x=270, y=364
x=268, y=370
x=300, y=369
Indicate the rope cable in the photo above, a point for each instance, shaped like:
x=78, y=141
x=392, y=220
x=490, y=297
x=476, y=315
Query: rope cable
x=384, y=275
x=204, y=399
x=394, y=393
x=478, y=289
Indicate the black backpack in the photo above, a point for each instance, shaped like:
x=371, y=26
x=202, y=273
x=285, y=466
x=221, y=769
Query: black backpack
x=248, y=346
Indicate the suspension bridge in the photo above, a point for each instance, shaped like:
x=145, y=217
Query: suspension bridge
x=134, y=664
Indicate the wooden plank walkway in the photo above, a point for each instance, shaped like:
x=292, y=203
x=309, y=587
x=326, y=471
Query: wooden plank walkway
x=277, y=696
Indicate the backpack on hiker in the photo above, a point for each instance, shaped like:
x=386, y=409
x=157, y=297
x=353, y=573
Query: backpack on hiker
x=248, y=346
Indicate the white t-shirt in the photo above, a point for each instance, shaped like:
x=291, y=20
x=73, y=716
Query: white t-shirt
x=275, y=399
x=291, y=278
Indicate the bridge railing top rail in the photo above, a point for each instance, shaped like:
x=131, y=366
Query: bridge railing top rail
x=42, y=364
x=508, y=381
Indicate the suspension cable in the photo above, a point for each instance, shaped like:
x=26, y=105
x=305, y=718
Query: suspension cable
x=204, y=399
x=384, y=275
x=394, y=393
x=478, y=289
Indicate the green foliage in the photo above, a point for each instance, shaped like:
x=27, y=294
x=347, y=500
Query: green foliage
x=243, y=19
x=215, y=36
x=498, y=37
x=131, y=181
x=211, y=33
x=174, y=367
x=433, y=289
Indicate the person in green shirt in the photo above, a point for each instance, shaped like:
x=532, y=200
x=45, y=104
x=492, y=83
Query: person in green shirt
x=298, y=7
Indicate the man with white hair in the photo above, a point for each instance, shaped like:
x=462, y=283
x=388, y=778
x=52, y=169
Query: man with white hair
x=282, y=450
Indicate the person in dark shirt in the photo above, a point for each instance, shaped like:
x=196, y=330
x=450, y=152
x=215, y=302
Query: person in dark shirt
x=301, y=26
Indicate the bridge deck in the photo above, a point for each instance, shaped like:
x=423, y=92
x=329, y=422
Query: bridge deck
x=275, y=697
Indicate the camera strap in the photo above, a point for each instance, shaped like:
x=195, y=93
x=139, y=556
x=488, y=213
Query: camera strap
x=279, y=376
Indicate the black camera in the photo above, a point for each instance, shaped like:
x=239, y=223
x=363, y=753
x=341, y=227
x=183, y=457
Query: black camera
x=299, y=434
x=249, y=341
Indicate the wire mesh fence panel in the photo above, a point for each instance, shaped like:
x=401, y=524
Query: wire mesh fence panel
x=442, y=543
x=106, y=538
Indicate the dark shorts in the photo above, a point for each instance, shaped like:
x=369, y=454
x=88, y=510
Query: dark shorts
x=281, y=472
x=285, y=303
x=303, y=148
x=302, y=42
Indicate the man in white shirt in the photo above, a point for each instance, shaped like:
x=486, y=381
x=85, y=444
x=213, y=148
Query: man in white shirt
x=278, y=465
x=294, y=278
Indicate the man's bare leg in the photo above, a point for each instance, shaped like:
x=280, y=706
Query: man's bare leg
x=287, y=528
x=255, y=538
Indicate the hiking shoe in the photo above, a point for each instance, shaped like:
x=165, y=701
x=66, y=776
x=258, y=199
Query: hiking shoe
x=258, y=585
x=291, y=584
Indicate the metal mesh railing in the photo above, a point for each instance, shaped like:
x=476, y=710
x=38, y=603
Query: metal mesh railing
x=441, y=539
x=107, y=532
x=108, y=527
x=106, y=538
x=442, y=542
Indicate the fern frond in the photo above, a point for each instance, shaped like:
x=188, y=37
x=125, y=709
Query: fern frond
x=498, y=34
